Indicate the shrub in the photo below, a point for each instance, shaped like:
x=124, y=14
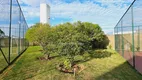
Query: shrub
x=100, y=54
x=70, y=50
x=131, y=47
x=109, y=46
x=86, y=56
x=137, y=48
x=67, y=64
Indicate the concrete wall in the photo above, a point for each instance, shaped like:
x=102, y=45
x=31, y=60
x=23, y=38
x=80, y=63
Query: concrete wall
x=112, y=41
x=127, y=38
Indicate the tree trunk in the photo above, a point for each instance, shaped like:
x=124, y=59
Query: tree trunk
x=47, y=56
x=72, y=61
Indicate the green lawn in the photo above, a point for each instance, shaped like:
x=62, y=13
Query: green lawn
x=3, y=63
x=13, y=55
x=5, y=50
x=30, y=68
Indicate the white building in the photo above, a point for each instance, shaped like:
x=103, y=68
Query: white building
x=44, y=13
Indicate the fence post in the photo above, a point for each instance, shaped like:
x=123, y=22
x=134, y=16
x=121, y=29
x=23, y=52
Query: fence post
x=19, y=22
x=114, y=38
x=133, y=46
x=10, y=31
x=122, y=38
x=139, y=37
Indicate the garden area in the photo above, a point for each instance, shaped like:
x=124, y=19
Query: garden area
x=29, y=67
x=69, y=51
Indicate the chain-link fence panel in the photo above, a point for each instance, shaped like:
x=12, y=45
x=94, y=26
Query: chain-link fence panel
x=4, y=32
x=13, y=27
x=129, y=45
x=137, y=20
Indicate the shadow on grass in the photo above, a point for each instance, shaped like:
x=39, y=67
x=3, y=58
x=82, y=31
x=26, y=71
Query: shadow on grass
x=123, y=72
x=136, y=60
x=5, y=67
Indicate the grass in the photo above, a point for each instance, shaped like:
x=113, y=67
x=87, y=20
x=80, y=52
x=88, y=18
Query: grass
x=13, y=55
x=3, y=63
x=28, y=67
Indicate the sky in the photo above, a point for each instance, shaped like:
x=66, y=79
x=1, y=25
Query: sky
x=106, y=13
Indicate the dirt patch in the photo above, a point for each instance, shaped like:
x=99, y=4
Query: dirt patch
x=74, y=69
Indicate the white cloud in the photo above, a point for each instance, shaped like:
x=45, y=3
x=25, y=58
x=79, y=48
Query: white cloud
x=88, y=12
x=32, y=3
x=4, y=10
x=30, y=12
x=107, y=13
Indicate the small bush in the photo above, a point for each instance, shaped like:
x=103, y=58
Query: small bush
x=67, y=64
x=86, y=56
x=109, y=46
x=100, y=53
x=78, y=58
x=137, y=48
x=131, y=47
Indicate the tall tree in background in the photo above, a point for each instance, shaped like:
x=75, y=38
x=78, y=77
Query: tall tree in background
x=1, y=33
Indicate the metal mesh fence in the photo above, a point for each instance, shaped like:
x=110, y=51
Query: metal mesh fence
x=128, y=35
x=12, y=32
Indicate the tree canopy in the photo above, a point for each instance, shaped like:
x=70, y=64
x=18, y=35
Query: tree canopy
x=69, y=39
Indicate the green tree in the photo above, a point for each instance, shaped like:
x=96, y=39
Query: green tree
x=43, y=35
x=1, y=33
x=92, y=35
x=67, y=42
x=78, y=38
x=70, y=39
